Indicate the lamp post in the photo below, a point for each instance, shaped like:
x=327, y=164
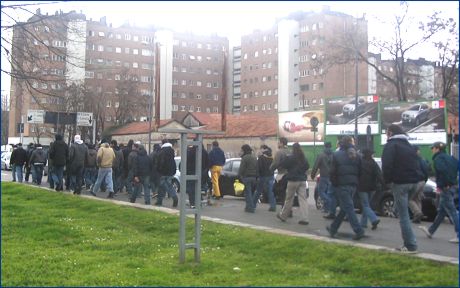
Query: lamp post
x=356, y=99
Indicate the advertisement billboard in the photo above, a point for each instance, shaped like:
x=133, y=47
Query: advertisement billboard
x=341, y=115
x=305, y=127
x=424, y=122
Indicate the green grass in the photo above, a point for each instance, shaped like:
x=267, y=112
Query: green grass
x=53, y=239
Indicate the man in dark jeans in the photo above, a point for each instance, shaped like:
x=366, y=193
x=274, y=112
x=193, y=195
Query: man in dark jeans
x=77, y=156
x=18, y=159
x=58, y=153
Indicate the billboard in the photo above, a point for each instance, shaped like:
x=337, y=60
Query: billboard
x=299, y=126
x=341, y=115
x=424, y=122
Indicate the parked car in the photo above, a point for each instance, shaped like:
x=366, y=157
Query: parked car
x=229, y=174
x=382, y=201
x=416, y=114
x=348, y=110
x=6, y=161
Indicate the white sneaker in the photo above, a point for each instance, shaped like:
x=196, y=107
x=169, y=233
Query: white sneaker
x=405, y=250
x=454, y=240
x=424, y=229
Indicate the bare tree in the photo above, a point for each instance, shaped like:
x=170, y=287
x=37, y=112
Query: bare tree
x=130, y=100
x=5, y=120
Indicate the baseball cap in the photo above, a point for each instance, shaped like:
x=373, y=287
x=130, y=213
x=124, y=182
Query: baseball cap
x=439, y=145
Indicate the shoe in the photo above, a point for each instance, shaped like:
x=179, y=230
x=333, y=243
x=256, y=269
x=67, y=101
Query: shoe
x=374, y=225
x=454, y=240
x=175, y=201
x=332, y=235
x=132, y=200
x=424, y=229
x=303, y=222
x=147, y=203
x=92, y=193
x=358, y=236
x=158, y=204
x=417, y=219
x=329, y=216
x=405, y=250
x=272, y=209
x=110, y=195
x=278, y=215
x=249, y=210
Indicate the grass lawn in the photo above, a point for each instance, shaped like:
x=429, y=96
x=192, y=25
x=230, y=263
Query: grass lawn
x=54, y=239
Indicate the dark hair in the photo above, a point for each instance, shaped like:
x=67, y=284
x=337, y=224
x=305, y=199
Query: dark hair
x=283, y=141
x=327, y=145
x=246, y=149
x=345, y=141
x=130, y=144
x=367, y=153
x=395, y=129
x=215, y=143
x=297, y=152
x=114, y=142
x=58, y=137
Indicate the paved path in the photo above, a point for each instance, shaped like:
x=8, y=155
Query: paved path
x=386, y=237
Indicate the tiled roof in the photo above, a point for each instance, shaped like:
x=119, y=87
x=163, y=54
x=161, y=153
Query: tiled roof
x=239, y=125
x=138, y=127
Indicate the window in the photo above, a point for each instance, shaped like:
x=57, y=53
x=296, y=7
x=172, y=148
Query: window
x=127, y=36
x=256, y=54
x=109, y=49
x=117, y=77
x=135, y=65
x=198, y=96
x=198, y=109
x=108, y=118
x=101, y=34
x=108, y=104
x=198, y=83
x=146, y=52
x=216, y=97
x=88, y=74
x=183, y=69
x=117, y=49
x=118, y=36
x=175, y=107
x=184, y=82
x=136, y=51
x=126, y=50
x=99, y=75
x=215, y=109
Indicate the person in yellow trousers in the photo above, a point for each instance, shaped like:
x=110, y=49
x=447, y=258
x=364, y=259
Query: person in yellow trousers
x=216, y=161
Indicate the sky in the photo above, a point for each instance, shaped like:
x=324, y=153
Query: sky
x=236, y=18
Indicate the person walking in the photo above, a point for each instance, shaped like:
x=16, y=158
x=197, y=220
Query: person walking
x=247, y=173
x=216, y=161
x=370, y=178
x=127, y=181
x=265, y=180
x=77, y=156
x=58, y=153
x=446, y=170
x=154, y=176
x=117, y=166
x=38, y=161
x=142, y=166
x=345, y=172
x=90, y=167
x=105, y=158
x=415, y=203
x=18, y=160
x=166, y=167
x=297, y=166
x=131, y=159
x=279, y=187
x=323, y=163
x=191, y=170
x=399, y=167
x=12, y=165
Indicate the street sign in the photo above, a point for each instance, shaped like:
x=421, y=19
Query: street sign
x=84, y=119
x=35, y=116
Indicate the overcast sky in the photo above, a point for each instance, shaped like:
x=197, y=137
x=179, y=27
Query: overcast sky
x=236, y=18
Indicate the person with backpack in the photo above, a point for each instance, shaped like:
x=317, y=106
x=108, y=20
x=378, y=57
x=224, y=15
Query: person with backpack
x=446, y=170
x=38, y=161
x=142, y=166
x=117, y=167
x=323, y=163
x=166, y=167
x=370, y=177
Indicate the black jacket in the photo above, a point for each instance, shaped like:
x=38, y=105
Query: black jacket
x=191, y=162
x=166, y=165
x=59, y=152
x=296, y=168
x=18, y=156
x=346, y=167
x=263, y=165
x=399, y=161
x=142, y=165
x=370, y=176
x=39, y=156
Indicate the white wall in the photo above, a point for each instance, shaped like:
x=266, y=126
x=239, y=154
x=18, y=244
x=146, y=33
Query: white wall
x=166, y=39
x=76, y=51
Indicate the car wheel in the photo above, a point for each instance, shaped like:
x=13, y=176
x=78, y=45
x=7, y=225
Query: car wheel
x=176, y=185
x=387, y=207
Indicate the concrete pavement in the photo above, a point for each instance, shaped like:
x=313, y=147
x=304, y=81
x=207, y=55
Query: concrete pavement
x=230, y=211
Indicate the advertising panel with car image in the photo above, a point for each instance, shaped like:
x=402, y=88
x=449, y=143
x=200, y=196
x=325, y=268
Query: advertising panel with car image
x=341, y=115
x=305, y=127
x=424, y=122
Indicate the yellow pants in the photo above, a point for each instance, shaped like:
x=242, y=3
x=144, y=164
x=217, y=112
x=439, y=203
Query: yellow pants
x=215, y=174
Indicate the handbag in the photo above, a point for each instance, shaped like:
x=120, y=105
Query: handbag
x=239, y=187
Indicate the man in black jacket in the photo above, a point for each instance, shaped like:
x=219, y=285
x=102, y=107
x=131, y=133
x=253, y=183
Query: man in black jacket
x=345, y=173
x=77, y=156
x=38, y=161
x=191, y=168
x=142, y=166
x=399, y=167
x=166, y=167
x=18, y=159
x=59, y=152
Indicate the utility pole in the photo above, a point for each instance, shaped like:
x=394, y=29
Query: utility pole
x=157, y=86
x=356, y=99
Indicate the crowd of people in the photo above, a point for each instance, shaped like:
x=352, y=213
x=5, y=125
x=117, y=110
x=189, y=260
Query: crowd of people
x=343, y=173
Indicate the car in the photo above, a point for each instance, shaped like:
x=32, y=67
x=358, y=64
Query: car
x=416, y=114
x=348, y=110
x=382, y=201
x=6, y=161
x=229, y=174
x=176, y=177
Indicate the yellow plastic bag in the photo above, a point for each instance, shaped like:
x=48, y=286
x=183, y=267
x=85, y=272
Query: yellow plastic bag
x=239, y=187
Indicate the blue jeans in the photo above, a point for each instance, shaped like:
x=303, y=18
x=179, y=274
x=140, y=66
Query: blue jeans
x=324, y=187
x=345, y=196
x=402, y=193
x=164, y=187
x=116, y=179
x=265, y=186
x=90, y=176
x=250, y=184
x=446, y=208
x=144, y=182
x=38, y=171
x=17, y=169
x=366, y=209
x=57, y=175
x=104, y=174
x=76, y=178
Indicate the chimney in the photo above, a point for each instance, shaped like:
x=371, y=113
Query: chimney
x=38, y=11
x=103, y=20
